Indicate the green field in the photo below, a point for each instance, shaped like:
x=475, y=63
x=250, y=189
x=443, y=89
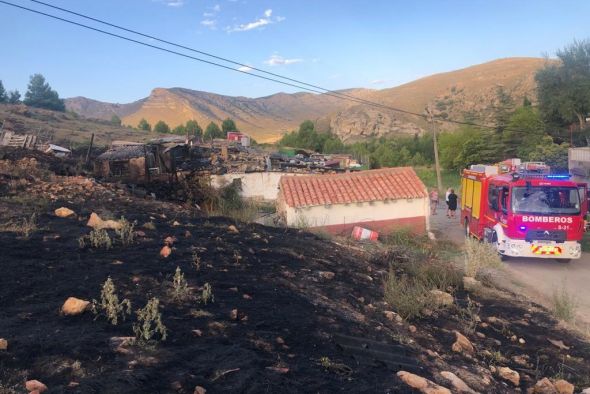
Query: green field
x=450, y=178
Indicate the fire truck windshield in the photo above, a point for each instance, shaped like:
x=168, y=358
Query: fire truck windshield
x=546, y=200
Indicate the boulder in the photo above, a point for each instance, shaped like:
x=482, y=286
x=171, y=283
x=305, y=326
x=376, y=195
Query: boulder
x=98, y=224
x=544, y=386
x=328, y=275
x=199, y=390
x=509, y=375
x=74, y=306
x=442, y=298
x=564, y=387
x=458, y=384
x=3, y=344
x=64, y=212
x=35, y=385
x=462, y=344
x=232, y=229
x=422, y=384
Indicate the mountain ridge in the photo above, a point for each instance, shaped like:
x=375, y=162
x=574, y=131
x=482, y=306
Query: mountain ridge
x=454, y=93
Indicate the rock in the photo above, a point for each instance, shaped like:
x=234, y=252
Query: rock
x=232, y=229
x=233, y=315
x=199, y=390
x=462, y=344
x=326, y=275
x=544, y=386
x=480, y=335
x=412, y=329
x=509, y=375
x=471, y=284
x=558, y=343
x=165, y=251
x=74, y=306
x=33, y=385
x=586, y=391
x=423, y=385
x=521, y=341
x=98, y=224
x=175, y=223
x=442, y=298
x=564, y=387
x=187, y=234
x=459, y=385
x=64, y=212
x=3, y=344
x=169, y=241
x=198, y=333
x=389, y=315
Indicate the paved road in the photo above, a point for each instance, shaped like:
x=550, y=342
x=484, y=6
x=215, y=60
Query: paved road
x=536, y=278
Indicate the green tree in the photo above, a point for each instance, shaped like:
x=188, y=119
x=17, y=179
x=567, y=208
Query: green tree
x=525, y=130
x=554, y=155
x=503, y=108
x=40, y=95
x=479, y=148
x=180, y=130
x=563, y=89
x=161, y=127
x=13, y=97
x=193, y=128
x=144, y=125
x=116, y=120
x=213, y=131
x=3, y=96
x=227, y=126
x=333, y=145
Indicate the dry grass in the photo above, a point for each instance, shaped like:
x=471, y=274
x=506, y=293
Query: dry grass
x=564, y=304
x=408, y=297
x=478, y=256
x=180, y=290
x=207, y=294
x=126, y=233
x=99, y=239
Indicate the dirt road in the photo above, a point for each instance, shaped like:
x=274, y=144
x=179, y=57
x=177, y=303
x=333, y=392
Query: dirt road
x=536, y=278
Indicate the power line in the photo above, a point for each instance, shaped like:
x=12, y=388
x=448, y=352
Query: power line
x=314, y=88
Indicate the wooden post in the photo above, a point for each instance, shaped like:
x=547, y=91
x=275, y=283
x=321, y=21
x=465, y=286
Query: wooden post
x=430, y=115
x=89, y=149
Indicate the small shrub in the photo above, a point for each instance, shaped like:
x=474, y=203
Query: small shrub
x=127, y=232
x=564, y=304
x=207, y=294
x=149, y=226
x=469, y=316
x=149, y=323
x=438, y=275
x=196, y=261
x=408, y=297
x=109, y=303
x=100, y=238
x=180, y=290
x=479, y=255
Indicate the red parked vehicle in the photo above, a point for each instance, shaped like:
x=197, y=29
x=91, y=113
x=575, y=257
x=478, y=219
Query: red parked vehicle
x=526, y=212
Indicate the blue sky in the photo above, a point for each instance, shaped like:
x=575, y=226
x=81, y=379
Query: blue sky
x=332, y=43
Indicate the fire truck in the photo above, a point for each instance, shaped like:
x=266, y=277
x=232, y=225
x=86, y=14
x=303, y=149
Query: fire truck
x=524, y=210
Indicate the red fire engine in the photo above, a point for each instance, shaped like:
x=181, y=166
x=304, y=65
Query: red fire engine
x=525, y=212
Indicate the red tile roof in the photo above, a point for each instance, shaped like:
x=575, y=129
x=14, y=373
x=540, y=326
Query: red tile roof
x=373, y=185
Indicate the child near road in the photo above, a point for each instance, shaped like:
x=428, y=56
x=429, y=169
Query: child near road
x=433, y=201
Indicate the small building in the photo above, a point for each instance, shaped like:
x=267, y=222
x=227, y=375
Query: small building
x=381, y=200
x=127, y=162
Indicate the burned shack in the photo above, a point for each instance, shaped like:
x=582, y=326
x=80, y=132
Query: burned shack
x=128, y=162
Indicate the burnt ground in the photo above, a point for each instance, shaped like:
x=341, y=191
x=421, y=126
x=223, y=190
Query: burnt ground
x=291, y=315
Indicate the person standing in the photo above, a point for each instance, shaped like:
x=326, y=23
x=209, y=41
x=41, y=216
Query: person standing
x=447, y=201
x=433, y=201
x=452, y=203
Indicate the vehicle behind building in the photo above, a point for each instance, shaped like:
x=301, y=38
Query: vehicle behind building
x=523, y=210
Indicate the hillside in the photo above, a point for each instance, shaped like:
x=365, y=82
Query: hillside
x=291, y=312
x=472, y=89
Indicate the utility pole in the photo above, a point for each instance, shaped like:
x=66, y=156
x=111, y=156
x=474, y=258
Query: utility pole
x=430, y=115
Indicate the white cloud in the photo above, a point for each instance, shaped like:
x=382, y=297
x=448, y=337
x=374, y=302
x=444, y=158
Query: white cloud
x=244, y=68
x=267, y=19
x=210, y=23
x=277, y=60
x=172, y=3
x=216, y=8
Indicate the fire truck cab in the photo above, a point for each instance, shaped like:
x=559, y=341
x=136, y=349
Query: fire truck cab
x=524, y=213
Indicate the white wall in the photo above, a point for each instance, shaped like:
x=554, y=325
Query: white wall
x=355, y=212
x=258, y=185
